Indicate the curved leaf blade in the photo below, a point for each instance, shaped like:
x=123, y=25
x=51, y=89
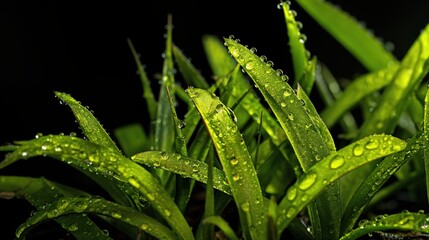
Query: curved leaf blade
x=406, y=221
x=107, y=163
x=41, y=192
x=79, y=205
x=347, y=31
x=236, y=161
x=331, y=168
x=222, y=225
x=184, y=166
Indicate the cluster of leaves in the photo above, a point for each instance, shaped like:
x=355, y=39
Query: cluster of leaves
x=263, y=152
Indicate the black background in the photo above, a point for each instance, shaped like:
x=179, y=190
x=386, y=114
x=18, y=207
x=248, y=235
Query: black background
x=81, y=49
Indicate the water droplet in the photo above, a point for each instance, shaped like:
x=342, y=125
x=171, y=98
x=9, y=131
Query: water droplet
x=371, y=144
x=24, y=154
x=337, y=162
x=39, y=135
x=116, y=215
x=308, y=181
x=150, y=196
x=263, y=58
x=236, y=177
x=299, y=25
x=253, y=50
x=290, y=213
x=358, y=150
x=73, y=228
x=164, y=156
x=134, y=183
x=396, y=147
x=249, y=65
x=237, y=40
x=287, y=93
x=234, y=52
x=291, y=193
x=245, y=207
x=167, y=213
x=144, y=227
x=270, y=63
x=284, y=77
x=219, y=108
x=302, y=38
x=290, y=116
x=80, y=206
x=234, y=161
x=279, y=72
x=283, y=104
x=362, y=223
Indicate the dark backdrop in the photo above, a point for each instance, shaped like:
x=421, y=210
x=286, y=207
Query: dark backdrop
x=81, y=49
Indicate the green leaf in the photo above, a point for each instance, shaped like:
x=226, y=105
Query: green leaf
x=191, y=75
x=296, y=43
x=109, y=164
x=356, y=91
x=90, y=126
x=79, y=205
x=359, y=201
x=147, y=90
x=426, y=141
x=184, y=166
x=222, y=63
x=350, y=33
x=40, y=193
x=132, y=138
x=412, y=70
x=310, y=143
x=405, y=221
x=222, y=225
x=236, y=162
x=331, y=168
x=209, y=206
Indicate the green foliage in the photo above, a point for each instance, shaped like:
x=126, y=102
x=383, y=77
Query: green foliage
x=254, y=143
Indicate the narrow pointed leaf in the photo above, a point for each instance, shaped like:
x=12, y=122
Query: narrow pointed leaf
x=222, y=225
x=147, y=90
x=358, y=89
x=374, y=181
x=132, y=139
x=41, y=192
x=413, y=69
x=426, y=141
x=309, y=144
x=296, y=42
x=76, y=205
x=191, y=75
x=331, y=168
x=406, y=221
x=222, y=64
x=364, y=46
x=307, y=81
x=107, y=163
x=236, y=161
x=184, y=166
x=89, y=124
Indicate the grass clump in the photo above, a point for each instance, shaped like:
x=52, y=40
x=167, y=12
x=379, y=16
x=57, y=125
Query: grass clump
x=253, y=143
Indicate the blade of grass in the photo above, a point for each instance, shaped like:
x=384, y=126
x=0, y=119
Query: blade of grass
x=107, y=163
x=222, y=225
x=184, y=166
x=95, y=133
x=426, y=141
x=358, y=89
x=350, y=33
x=236, y=162
x=406, y=221
x=72, y=205
x=298, y=51
x=331, y=168
x=191, y=75
x=41, y=192
x=310, y=143
x=132, y=138
x=147, y=90
x=413, y=69
x=209, y=205
x=359, y=201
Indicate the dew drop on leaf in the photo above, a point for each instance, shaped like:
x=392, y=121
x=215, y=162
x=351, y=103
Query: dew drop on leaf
x=291, y=193
x=236, y=177
x=371, y=145
x=73, y=228
x=249, y=65
x=308, y=181
x=337, y=162
x=358, y=150
x=144, y=227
